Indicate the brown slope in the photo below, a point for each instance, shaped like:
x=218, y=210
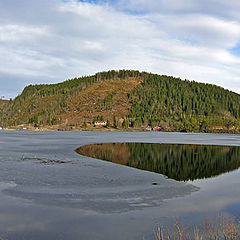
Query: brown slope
x=3, y=109
x=94, y=100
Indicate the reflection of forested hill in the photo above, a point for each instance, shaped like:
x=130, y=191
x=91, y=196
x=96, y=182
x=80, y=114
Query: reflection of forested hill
x=132, y=98
x=180, y=162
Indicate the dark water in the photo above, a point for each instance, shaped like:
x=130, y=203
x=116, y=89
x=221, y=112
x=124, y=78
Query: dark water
x=177, y=161
x=48, y=191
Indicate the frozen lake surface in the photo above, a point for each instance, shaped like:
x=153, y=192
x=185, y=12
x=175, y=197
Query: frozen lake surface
x=48, y=191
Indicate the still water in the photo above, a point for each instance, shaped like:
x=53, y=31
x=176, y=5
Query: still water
x=176, y=161
x=48, y=191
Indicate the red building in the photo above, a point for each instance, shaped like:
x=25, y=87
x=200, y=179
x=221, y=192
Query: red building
x=157, y=129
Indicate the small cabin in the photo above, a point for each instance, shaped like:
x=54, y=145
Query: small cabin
x=100, y=123
x=157, y=129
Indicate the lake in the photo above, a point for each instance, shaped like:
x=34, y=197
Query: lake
x=49, y=191
x=182, y=162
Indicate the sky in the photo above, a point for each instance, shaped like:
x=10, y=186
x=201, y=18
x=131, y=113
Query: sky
x=49, y=41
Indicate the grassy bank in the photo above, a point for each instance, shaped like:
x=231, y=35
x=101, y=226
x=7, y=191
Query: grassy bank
x=224, y=228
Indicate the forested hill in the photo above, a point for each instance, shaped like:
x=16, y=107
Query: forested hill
x=126, y=99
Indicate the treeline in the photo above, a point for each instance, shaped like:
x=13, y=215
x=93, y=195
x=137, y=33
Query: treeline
x=183, y=105
x=70, y=86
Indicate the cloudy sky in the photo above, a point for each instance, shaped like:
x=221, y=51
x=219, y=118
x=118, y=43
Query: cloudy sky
x=49, y=41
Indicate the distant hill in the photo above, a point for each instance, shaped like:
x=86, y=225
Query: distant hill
x=126, y=99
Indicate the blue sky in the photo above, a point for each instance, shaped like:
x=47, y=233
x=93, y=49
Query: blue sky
x=235, y=50
x=50, y=41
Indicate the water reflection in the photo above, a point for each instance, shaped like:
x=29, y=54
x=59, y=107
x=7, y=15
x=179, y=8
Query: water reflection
x=181, y=162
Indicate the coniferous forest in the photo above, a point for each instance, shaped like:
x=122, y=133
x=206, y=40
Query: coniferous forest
x=126, y=99
x=184, y=105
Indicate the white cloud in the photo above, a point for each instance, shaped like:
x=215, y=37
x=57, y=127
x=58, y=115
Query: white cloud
x=226, y=9
x=199, y=29
x=56, y=40
x=12, y=33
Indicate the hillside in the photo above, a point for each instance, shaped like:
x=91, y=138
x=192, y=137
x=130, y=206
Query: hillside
x=127, y=99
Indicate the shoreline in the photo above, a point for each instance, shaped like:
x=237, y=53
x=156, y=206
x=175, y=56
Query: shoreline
x=100, y=129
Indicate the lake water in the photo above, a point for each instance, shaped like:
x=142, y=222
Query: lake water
x=182, y=162
x=48, y=191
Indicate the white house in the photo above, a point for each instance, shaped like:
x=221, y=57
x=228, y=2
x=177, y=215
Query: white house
x=103, y=123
